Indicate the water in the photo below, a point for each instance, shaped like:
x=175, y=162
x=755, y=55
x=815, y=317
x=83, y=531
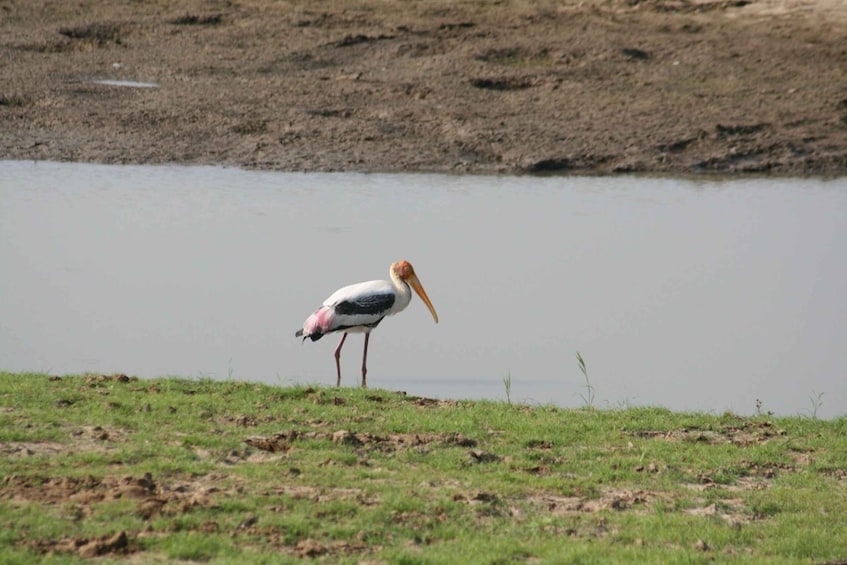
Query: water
x=694, y=295
x=126, y=83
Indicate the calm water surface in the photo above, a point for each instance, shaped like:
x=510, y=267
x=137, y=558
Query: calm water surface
x=694, y=295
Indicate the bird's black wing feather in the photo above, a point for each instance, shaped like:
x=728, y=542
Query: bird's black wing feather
x=370, y=304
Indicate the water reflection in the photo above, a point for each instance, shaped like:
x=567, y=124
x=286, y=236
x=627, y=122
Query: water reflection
x=686, y=294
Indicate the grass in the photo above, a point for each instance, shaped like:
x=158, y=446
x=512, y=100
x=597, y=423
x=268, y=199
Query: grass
x=816, y=401
x=588, y=397
x=224, y=472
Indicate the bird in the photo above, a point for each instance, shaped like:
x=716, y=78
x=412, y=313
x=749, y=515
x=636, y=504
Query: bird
x=359, y=308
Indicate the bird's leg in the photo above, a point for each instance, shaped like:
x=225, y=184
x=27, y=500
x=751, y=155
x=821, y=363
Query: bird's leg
x=338, y=359
x=365, y=362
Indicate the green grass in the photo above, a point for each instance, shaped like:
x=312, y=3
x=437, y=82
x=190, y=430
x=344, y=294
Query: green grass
x=182, y=467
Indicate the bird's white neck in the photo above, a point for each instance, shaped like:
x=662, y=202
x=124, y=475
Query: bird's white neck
x=404, y=293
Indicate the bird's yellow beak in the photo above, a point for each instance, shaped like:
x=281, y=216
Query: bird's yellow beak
x=416, y=284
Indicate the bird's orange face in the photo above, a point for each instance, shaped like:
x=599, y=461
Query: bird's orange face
x=405, y=271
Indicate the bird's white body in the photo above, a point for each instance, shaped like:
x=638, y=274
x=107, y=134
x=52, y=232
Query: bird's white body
x=359, y=308
x=376, y=293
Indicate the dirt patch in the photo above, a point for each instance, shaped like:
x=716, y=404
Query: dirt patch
x=82, y=439
x=589, y=513
x=329, y=396
x=115, y=545
x=322, y=494
x=731, y=511
x=744, y=433
x=30, y=448
x=681, y=86
x=80, y=495
x=153, y=498
x=284, y=441
x=613, y=499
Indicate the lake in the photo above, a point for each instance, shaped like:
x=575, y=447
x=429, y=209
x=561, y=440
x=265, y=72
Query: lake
x=703, y=294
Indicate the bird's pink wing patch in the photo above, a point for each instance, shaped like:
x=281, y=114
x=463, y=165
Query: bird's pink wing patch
x=320, y=322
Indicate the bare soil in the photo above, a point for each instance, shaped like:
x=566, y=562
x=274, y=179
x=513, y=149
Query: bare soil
x=676, y=86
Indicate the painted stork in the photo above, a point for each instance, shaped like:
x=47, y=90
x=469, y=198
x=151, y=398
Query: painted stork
x=361, y=307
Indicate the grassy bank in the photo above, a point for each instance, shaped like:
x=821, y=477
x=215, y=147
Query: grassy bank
x=172, y=469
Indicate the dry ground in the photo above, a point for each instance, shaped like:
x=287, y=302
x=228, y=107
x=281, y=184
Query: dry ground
x=679, y=86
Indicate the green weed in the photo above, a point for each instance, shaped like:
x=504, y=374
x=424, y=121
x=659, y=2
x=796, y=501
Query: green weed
x=588, y=397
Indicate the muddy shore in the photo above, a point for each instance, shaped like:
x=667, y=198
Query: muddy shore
x=659, y=86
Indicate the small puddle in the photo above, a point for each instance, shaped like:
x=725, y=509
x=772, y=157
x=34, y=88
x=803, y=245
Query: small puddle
x=125, y=83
